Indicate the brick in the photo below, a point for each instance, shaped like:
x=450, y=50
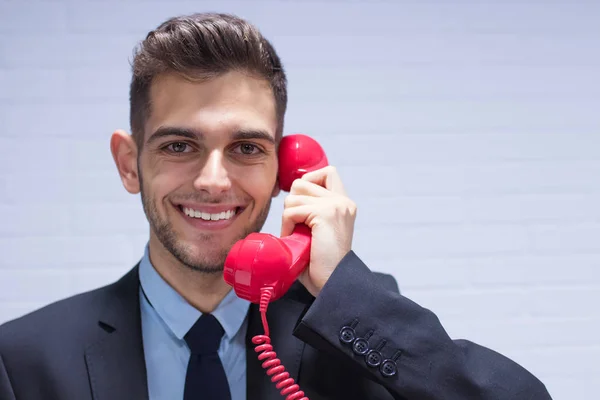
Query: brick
x=83, y=83
x=125, y=17
x=426, y=49
x=506, y=302
x=438, y=82
x=82, y=120
x=125, y=218
x=476, y=179
x=434, y=17
x=443, y=149
x=575, y=237
x=532, y=207
x=430, y=115
x=66, y=252
x=37, y=219
x=31, y=85
x=65, y=155
x=53, y=51
x=66, y=189
x=472, y=240
x=33, y=285
x=491, y=271
x=19, y=17
x=512, y=335
x=455, y=209
x=16, y=155
x=441, y=240
x=24, y=189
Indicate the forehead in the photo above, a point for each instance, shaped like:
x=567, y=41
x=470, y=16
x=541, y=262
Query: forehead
x=231, y=102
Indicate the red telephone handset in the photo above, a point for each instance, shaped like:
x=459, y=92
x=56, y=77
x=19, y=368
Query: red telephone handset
x=262, y=267
x=262, y=260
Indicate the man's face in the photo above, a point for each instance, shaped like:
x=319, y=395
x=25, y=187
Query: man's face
x=208, y=166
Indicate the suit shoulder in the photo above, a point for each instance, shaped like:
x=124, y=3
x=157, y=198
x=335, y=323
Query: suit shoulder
x=64, y=315
x=388, y=281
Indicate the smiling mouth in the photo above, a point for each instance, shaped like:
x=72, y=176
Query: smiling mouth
x=207, y=216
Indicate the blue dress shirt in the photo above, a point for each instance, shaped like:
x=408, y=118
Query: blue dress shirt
x=166, y=318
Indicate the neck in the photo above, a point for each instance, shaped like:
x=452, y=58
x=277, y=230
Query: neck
x=202, y=290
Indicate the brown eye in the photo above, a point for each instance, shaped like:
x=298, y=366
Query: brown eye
x=178, y=147
x=247, y=148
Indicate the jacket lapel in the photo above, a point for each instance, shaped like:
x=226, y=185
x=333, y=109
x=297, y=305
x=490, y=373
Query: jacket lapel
x=115, y=361
x=282, y=316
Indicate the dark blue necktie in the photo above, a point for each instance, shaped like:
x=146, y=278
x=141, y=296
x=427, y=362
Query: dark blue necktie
x=205, y=378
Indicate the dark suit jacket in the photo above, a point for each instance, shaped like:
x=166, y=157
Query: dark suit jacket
x=90, y=347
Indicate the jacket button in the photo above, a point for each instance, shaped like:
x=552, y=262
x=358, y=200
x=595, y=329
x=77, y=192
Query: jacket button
x=373, y=358
x=388, y=368
x=347, y=335
x=360, y=347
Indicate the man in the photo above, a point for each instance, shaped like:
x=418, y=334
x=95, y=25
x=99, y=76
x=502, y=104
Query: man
x=208, y=98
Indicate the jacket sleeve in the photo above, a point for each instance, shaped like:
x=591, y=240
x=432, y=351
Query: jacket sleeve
x=403, y=346
x=6, y=391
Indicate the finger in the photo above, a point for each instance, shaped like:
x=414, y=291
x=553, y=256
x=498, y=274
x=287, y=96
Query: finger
x=326, y=177
x=293, y=216
x=293, y=200
x=308, y=188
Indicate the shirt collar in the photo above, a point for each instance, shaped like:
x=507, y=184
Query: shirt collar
x=177, y=313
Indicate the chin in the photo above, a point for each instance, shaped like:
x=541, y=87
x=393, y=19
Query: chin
x=198, y=259
x=205, y=254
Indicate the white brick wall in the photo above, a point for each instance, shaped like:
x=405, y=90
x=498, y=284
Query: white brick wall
x=467, y=132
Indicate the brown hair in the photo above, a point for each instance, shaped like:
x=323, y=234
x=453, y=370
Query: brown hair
x=202, y=46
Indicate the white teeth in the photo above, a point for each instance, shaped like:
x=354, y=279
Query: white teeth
x=208, y=216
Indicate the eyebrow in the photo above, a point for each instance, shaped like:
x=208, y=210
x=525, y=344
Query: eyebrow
x=244, y=134
x=166, y=131
x=247, y=134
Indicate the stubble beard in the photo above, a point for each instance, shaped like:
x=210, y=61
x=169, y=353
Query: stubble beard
x=163, y=229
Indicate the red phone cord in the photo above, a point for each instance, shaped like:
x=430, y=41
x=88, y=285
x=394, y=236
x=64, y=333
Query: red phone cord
x=273, y=364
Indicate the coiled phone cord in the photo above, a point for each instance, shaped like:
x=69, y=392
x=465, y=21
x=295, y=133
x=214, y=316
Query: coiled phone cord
x=272, y=364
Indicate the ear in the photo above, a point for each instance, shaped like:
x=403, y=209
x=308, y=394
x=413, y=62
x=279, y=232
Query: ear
x=124, y=152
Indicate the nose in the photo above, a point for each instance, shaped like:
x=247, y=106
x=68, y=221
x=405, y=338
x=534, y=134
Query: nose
x=213, y=177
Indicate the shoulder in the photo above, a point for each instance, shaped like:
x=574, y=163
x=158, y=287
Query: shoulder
x=56, y=322
x=57, y=318
x=388, y=281
x=55, y=311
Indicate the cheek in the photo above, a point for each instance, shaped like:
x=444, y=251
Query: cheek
x=161, y=181
x=258, y=183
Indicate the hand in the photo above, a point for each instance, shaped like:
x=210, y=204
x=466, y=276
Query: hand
x=319, y=200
